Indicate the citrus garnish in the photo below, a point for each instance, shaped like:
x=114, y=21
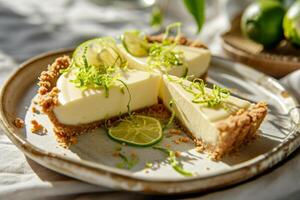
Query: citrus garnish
x=96, y=64
x=163, y=54
x=135, y=43
x=173, y=161
x=137, y=130
x=200, y=94
x=99, y=52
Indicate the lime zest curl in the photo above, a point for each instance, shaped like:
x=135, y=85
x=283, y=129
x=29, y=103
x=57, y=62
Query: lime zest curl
x=173, y=161
x=164, y=54
x=171, y=104
x=104, y=74
x=200, y=95
x=127, y=162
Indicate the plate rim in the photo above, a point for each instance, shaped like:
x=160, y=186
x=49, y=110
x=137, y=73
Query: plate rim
x=249, y=169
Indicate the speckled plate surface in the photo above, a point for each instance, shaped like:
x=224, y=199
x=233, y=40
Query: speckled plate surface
x=91, y=158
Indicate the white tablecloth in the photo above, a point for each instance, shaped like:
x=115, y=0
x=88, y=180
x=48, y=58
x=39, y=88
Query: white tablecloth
x=30, y=27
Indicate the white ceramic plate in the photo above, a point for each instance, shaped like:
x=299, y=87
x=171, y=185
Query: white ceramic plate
x=92, y=160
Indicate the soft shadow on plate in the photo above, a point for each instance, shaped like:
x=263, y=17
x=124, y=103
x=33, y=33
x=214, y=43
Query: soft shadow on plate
x=99, y=148
x=260, y=146
x=45, y=174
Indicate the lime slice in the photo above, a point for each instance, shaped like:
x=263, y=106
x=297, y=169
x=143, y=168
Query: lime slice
x=135, y=43
x=99, y=52
x=137, y=130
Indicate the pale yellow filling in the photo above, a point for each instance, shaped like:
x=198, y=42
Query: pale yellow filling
x=79, y=106
x=198, y=118
x=196, y=62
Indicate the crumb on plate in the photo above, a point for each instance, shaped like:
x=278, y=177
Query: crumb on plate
x=133, y=154
x=19, y=123
x=184, y=139
x=176, y=141
x=174, y=131
x=36, y=127
x=35, y=110
x=116, y=154
x=200, y=149
x=177, y=153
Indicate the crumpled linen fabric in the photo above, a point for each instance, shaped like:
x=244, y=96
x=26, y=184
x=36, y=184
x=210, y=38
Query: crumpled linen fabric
x=31, y=27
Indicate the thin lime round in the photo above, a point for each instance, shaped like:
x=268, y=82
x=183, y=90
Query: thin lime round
x=135, y=43
x=99, y=52
x=137, y=130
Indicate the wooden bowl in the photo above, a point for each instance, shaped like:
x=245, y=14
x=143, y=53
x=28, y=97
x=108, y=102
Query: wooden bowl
x=276, y=62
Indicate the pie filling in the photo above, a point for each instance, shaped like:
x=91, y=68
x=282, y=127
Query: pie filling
x=75, y=104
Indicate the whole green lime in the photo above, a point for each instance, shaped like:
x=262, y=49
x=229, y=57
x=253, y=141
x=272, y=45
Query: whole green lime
x=262, y=22
x=291, y=23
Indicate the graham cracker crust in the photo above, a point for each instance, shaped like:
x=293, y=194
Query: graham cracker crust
x=235, y=131
x=182, y=41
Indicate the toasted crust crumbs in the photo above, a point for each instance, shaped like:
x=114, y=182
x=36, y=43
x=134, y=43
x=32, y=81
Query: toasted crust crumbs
x=200, y=148
x=176, y=141
x=133, y=154
x=174, y=131
x=116, y=154
x=183, y=41
x=36, y=127
x=35, y=110
x=177, y=153
x=19, y=123
x=184, y=139
x=48, y=93
x=47, y=79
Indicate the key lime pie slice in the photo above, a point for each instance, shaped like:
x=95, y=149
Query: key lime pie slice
x=105, y=81
x=217, y=121
x=186, y=58
x=177, y=56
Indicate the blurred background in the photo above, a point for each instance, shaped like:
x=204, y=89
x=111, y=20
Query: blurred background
x=31, y=27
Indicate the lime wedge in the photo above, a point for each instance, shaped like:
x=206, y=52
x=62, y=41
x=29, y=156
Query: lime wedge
x=137, y=130
x=135, y=43
x=99, y=52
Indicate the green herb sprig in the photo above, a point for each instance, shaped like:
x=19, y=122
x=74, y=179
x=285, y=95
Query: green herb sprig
x=173, y=161
x=129, y=100
x=171, y=104
x=127, y=163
